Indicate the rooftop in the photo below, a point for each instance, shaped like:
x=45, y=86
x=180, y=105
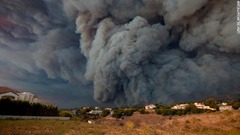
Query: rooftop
x=6, y=89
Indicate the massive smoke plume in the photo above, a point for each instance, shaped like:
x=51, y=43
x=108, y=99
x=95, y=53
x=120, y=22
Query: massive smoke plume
x=134, y=51
x=39, y=51
x=141, y=51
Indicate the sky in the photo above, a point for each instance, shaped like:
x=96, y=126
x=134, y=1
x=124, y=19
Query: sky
x=74, y=53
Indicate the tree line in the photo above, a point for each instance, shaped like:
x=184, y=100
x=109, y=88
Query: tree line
x=24, y=108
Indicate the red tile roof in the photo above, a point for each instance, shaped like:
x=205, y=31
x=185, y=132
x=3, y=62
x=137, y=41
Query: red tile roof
x=6, y=89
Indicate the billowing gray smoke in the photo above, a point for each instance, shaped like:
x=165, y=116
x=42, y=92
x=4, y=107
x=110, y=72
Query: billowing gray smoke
x=141, y=51
x=134, y=51
x=36, y=35
x=39, y=52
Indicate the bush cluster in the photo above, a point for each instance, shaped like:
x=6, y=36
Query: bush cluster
x=105, y=113
x=24, y=108
x=236, y=105
x=121, y=112
x=143, y=111
x=64, y=113
x=191, y=109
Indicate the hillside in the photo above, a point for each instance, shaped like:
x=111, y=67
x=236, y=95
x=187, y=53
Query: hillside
x=139, y=124
x=208, y=123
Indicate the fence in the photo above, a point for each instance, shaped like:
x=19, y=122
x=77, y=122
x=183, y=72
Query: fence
x=4, y=117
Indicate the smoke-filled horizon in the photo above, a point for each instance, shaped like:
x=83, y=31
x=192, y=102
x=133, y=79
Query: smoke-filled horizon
x=126, y=52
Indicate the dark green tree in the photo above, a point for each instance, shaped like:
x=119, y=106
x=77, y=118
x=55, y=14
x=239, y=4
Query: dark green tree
x=105, y=113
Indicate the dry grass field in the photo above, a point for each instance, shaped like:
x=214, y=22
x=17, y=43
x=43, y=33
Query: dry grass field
x=224, y=123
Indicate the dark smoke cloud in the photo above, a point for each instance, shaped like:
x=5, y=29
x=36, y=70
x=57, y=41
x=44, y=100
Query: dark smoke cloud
x=141, y=51
x=133, y=51
x=40, y=37
x=39, y=50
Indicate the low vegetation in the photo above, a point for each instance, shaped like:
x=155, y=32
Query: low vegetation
x=190, y=109
x=160, y=120
x=24, y=108
x=65, y=113
x=236, y=105
x=151, y=124
x=122, y=112
x=165, y=110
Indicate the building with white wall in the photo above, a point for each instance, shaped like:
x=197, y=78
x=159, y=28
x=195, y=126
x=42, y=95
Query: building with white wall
x=12, y=95
x=225, y=107
x=180, y=107
x=150, y=106
x=7, y=92
x=202, y=106
x=15, y=95
x=27, y=96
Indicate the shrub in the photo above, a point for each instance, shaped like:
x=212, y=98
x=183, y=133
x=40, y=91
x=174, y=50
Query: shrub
x=236, y=105
x=166, y=112
x=84, y=111
x=143, y=111
x=12, y=107
x=128, y=112
x=105, y=113
x=211, y=102
x=130, y=124
x=118, y=113
x=64, y=113
x=232, y=120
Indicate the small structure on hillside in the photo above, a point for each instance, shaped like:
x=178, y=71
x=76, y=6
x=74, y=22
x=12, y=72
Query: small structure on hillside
x=225, y=108
x=180, y=107
x=111, y=112
x=150, y=107
x=109, y=109
x=202, y=106
x=85, y=107
x=96, y=112
x=224, y=103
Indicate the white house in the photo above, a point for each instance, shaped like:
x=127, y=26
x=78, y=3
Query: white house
x=180, y=107
x=225, y=107
x=15, y=95
x=202, y=106
x=96, y=112
x=85, y=107
x=7, y=92
x=109, y=109
x=27, y=96
x=150, y=106
x=224, y=103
